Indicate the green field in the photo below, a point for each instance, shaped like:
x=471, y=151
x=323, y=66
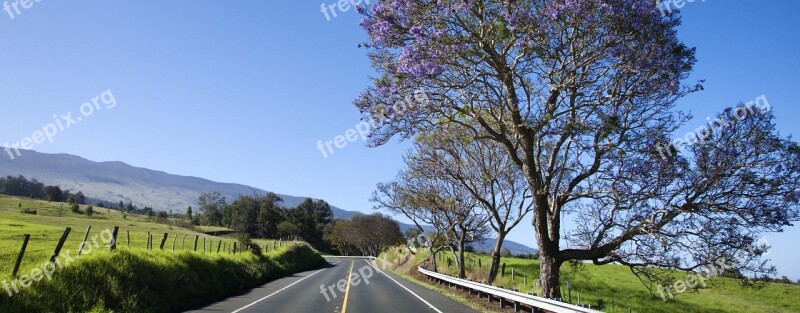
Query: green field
x=620, y=290
x=48, y=225
x=131, y=279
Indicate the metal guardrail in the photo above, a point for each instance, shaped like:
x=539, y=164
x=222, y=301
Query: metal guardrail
x=509, y=295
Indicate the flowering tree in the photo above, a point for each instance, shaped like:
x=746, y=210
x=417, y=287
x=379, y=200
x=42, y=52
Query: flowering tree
x=578, y=92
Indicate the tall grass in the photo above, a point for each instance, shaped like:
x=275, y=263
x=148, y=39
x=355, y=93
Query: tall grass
x=142, y=281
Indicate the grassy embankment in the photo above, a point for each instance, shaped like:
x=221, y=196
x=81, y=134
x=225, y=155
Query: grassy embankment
x=620, y=290
x=130, y=279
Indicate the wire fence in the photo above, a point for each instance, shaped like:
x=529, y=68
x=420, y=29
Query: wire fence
x=22, y=252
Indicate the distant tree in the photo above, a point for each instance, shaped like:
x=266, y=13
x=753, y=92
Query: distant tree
x=189, y=213
x=370, y=234
x=89, y=211
x=311, y=217
x=149, y=211
x=80, y=198
x=338, y=234
x=130, y=207
x=269, y=215
x=53, y=194
x=121, y=206
x=505, y=252
x=287, y=229
x=75, y=208
x=244, y=215
x=162, y=216
x=211, y=206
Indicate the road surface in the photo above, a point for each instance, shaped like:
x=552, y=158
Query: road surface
x=367, y=290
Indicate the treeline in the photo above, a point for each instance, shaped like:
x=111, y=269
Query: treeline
x=22, y=187
x=262, y=216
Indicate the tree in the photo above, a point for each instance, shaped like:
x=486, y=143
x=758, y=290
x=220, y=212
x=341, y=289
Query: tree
x=287, y=229
x=370, y=234
x=339, y=235
x=53, y=194
x=80, y=198
x=148, y=211
x=424, y=197
x=244, y=214
x=482, y=168
x=89, y=211
x=189, y=213
x=269, y=215
x=311, y=217
x=211, y=205
x=121, y=206
x=578, y=92
x=505, y=252
x=132, y=208
x=74, y=207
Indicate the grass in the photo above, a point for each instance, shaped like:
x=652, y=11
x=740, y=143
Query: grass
x=48, y=225
x=620, y=290
x=130, y=279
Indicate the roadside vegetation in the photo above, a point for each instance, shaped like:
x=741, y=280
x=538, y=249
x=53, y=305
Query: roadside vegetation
x=614, y=285
x=132, y=278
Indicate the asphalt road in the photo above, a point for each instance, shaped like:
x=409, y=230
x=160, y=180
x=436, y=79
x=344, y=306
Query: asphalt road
x=368, y=290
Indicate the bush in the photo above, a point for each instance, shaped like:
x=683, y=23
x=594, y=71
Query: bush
x=29, y=211
x=75, y=208
x=89, y=210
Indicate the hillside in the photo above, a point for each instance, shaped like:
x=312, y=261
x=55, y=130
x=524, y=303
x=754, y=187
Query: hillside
x=118, y=181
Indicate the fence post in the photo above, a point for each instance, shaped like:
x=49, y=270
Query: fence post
x=21, y=254
x=183, y=244
x=114, y=233
x=86, y=236
x=174, y=239
x=60, y=244
x=204, y=244
x=234, y=248
x=512, y=274
x=147, y=242
x=129, y=237
x=196, y=237
x=219, y=245
x=163, y=240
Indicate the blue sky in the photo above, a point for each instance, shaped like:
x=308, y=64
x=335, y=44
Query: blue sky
x=242, y=91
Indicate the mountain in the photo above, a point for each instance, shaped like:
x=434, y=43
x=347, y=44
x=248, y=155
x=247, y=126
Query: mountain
x=117, y=181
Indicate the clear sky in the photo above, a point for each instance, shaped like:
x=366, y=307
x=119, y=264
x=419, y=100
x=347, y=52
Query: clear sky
x=241, y=91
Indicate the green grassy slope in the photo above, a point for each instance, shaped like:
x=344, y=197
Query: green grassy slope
x=130, y=279
x=621, y=290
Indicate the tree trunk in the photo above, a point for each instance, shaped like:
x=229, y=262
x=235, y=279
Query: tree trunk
x=433, y=259
x=550, y=275
x=495, y=266
x=462, y=273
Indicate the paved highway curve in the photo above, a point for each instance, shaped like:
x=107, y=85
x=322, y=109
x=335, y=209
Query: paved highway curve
x=346, y=285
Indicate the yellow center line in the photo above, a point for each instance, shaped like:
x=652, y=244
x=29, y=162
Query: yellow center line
x=347, y=290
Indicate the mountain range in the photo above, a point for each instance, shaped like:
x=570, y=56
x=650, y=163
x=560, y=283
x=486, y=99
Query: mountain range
x=116, y=181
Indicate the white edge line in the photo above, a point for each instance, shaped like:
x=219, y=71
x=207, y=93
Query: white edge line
x=404, y=287
x=274, y=293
